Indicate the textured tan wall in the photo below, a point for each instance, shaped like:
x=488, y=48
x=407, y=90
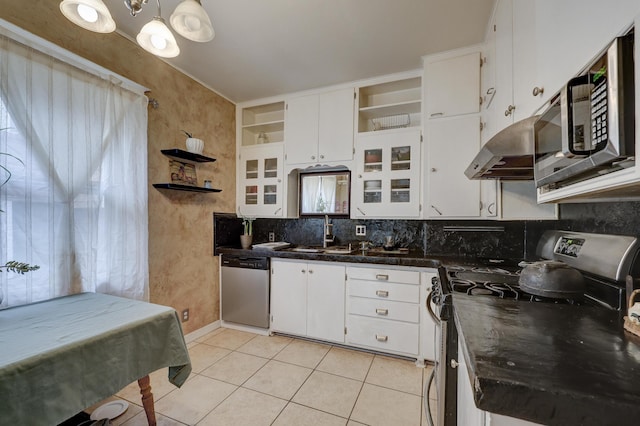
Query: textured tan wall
x=182, y=270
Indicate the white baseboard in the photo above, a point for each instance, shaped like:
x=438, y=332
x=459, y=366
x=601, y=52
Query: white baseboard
x=188, y=338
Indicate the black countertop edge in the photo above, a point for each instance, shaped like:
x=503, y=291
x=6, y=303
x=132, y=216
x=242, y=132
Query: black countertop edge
x=550, y=364
x=413, y=258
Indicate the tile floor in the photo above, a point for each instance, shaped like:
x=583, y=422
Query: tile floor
x=241, y=378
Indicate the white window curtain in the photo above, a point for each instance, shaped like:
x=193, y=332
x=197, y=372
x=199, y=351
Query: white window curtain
x=76, y=202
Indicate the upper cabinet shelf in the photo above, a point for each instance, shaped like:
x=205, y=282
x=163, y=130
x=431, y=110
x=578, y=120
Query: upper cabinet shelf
x=385, y=100
x=262, y=124
x=180, y=155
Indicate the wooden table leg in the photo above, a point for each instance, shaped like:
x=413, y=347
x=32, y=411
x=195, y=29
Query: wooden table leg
x=147, y=399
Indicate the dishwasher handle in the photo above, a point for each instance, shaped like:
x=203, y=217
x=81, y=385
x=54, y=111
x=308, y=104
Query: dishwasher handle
x=245, y=262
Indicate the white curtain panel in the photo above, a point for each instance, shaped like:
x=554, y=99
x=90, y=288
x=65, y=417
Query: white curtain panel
x=76, y=203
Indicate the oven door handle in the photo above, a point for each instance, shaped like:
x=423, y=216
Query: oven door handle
x=430, y=309
x=427, y=402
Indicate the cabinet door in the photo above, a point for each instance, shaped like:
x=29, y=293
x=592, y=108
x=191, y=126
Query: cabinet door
x=289, y=297
x=301, y=130
x=335, y=141
x=260, y=181
x=325, y=302
x=570, y=33
x=453, y=86
x=502, y=104
x=451, y=145
x=388, y=180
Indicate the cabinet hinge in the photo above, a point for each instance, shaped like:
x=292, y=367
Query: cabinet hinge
x=354, y=95
x=481, y=126
x=345, y=277
x=354, y=150
x=285, y=156
x=421, y=138
x=272, y=318
x=494, y=28
x=286, y=106
x=345, y=331
x=482, y=61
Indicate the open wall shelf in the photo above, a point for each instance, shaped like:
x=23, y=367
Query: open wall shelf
x=177, y=187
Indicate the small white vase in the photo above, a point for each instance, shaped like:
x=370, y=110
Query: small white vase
x=245, y=241
x=195, y=145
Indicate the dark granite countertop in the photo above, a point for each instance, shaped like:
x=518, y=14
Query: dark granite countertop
x=550, y=364
x=412, y=258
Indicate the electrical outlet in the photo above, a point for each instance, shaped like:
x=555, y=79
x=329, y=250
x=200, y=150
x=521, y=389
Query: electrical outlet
x=361, y=231
x=272, y=237
x=185, y=315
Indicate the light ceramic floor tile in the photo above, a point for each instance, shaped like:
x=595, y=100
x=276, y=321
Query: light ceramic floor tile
x=245, y=407
x=303, y=353
x=299, y=415
x=265, y=346
x=160, y=386
x=352, y=423
x=346, y=363
x=140, y=419
x=377, y=406
x=326, y=392
x=210, y=334
x=203, y=356
x=278, y=379
x=235, y=368
x=396, y=374
x=229, y=339
x=194, y=400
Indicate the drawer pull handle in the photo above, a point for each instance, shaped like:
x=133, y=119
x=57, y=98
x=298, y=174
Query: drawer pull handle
x=380, y=311
x=382, y=277
x=381, y=338
x=382, y=293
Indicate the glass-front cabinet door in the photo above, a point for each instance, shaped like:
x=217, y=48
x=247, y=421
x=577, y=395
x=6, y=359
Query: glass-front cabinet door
x=388, y=174
x=260, y=183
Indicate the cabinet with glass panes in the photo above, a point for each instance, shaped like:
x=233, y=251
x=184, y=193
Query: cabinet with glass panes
x=387, y=182
x=260, y=181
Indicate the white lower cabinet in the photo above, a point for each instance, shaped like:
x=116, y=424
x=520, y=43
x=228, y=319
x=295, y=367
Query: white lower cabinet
x=307, y=299
x=385, y=311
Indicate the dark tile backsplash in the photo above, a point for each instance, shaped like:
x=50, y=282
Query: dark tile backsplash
x=477, y=238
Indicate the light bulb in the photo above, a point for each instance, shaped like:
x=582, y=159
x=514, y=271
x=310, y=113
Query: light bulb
x=158, y=42
x=192, y=23
x=87, y=13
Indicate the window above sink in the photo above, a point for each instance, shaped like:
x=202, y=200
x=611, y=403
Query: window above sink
x=325, y=193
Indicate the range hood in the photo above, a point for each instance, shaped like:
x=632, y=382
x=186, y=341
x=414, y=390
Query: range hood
x=508, y=155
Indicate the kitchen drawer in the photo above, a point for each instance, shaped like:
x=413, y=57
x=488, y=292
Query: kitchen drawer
x=384, y=290
x=384, y=275
x=384, y=309
x=383, y=335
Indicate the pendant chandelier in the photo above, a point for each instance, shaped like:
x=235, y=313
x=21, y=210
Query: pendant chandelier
x=189, y=19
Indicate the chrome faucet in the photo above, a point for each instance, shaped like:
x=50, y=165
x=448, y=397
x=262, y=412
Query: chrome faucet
x=328, y=232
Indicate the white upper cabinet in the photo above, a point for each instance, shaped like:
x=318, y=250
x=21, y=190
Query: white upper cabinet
x=389, y=105
x=570, y=33
x=319, y=128
x=261, y=124
x=260, y=177
x=451, y=145
x=452, y=86
x=388, y=175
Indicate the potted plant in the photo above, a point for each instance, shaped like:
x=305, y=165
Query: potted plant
x=194, y=145
x=247, y=237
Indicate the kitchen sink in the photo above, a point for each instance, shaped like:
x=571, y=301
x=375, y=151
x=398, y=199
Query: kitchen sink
x=338, y=250
x=306, y=249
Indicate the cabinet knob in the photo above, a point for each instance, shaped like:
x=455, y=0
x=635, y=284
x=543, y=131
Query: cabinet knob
x=381, y=338
x=492, y=205
x=311, y=271
x=382, y=293
x=303, y=271
x=313, y=157
x=321, y=157
x=433, y=170
x=381, y=311
x=437, y=114
x=436, y=209
x=538, y=91
x=509, y=110
x=454, y=363
x=382, y=277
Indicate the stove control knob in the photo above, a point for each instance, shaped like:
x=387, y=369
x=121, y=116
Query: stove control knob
x=454, y=363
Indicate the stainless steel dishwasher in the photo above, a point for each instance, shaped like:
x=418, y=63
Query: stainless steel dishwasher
x=245, y=290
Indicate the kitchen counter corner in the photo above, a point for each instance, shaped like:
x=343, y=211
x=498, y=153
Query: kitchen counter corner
x=548, y=363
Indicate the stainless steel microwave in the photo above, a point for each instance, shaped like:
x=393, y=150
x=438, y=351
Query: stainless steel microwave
x=589, y=127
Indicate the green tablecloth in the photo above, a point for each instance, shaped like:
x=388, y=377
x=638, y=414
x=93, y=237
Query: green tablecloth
x=63, y=355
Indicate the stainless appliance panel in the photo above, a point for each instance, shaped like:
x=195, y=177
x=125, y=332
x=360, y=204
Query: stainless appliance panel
x=244, y=295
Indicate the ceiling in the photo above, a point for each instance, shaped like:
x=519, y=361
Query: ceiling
x=265, y=48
